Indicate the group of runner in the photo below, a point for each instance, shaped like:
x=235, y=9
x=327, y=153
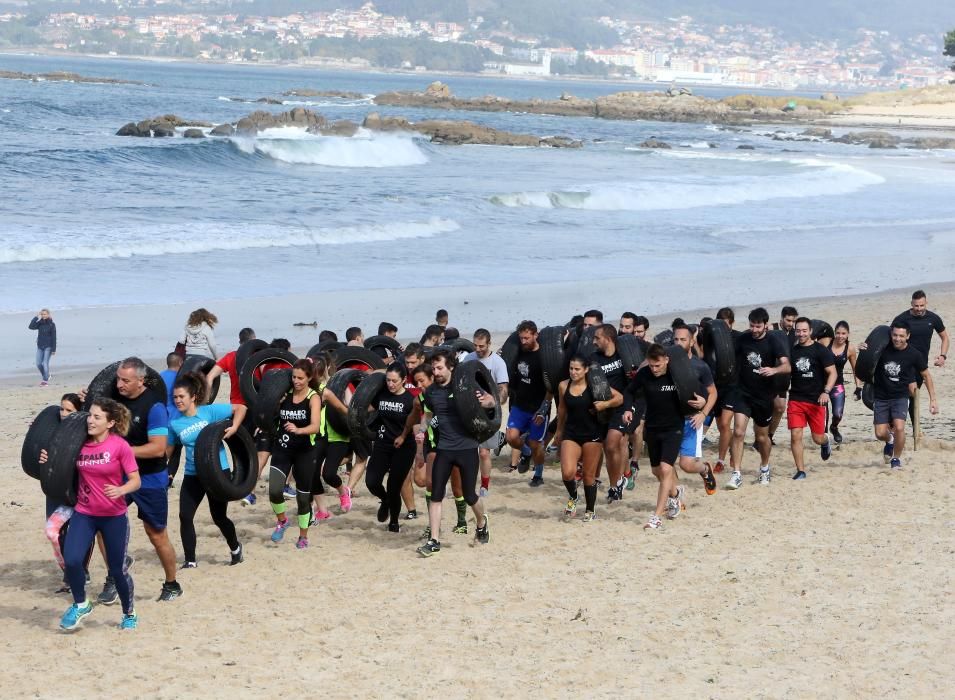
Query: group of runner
x=416, y=435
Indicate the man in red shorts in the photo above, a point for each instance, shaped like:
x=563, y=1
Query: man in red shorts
x=813, y=376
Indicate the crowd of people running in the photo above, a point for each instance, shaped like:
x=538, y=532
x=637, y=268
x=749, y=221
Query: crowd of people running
x=618, y=393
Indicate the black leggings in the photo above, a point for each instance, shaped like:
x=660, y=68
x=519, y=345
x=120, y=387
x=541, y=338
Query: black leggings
x=301, y=464
x=467, y=463
x=328, y=455
x=396, y=463
x=190, y=496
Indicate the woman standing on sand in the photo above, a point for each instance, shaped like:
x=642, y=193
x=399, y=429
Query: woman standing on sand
x=198, y=336
x=45, y=343
x=844, y=352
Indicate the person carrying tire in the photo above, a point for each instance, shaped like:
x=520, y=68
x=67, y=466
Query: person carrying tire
x=106, y=473
x=760, y=357
x=498, y=369
x=392, y=455
x=456, y=448
x=331, y=446
x=786, y=324
x=618, y=430
x=691, y=448
x=923, y=324
x=188, y=394
x=663, y=431
x=844, y=353
x=529, y=400
x=813, y=377
x=412, y=359
x=293, y=450
x=581, y=434
x=724, y=390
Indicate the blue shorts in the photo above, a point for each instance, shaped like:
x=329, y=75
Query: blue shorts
x=152, y=506
x=692, y=444
x=523, y=422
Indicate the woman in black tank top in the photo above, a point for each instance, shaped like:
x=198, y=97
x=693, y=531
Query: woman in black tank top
x=581, y=433
x=844, y=352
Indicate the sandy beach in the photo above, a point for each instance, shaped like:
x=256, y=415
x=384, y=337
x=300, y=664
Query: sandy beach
x=837, y=586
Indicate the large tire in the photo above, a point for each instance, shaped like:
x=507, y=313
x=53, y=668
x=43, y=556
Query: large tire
x=351, y=356
x=631, y=353
x=781, y=381
x=459, y=345
x=468, y=377
x=868, y=396
x=388, y=343
x=202, y=365
x=247, y=350
x=664, y=338
x=821, y=330
x=554, y=360
x=358, y=415
x=878, y=340
x=104, y=384
x=585, y=342
x=58, y=479
x=226, y=484
x=338, y=385
x=273, y=389
x=719, y=351
x=39, y=437
x=684, y=377
x=249, y=383
x=326, y=346
x=509, y=351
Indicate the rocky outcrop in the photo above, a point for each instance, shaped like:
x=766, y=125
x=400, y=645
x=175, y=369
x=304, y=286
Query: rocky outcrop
x=873, y=139
x=64, y=77
x=567, y=106
x=930, y=142
x=340, y=94
x=342, y=127
x=193, y=134
x=222, y=130
x=654, y=142
x=299, y=117
x=464, y=132
x=158, y=127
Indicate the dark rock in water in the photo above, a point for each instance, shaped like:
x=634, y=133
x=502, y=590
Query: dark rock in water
x=873, y=139
x=438, y=89
x=163, y=131
x=270, y=101
x=193, y=134
x=654, y=142
x=377, y=122
x=342, y=127
x=745, y=147
x=930, y=142
x=161, y=127
x=713, y=145
x=245, y=126
x=341, y=94
x=131, y=129
x=818, y=132
x=222, y=130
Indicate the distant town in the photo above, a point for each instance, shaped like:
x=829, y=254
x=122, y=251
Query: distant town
x=678, y=50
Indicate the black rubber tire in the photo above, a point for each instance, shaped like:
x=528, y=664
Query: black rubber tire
x=459, y=345
x=58, y=478
x=104, y=384
x=631, y=353
x=508, y=352
x=868, y=395
x=468, y=377
x=878, y=340
x=684, y=377
x=249, y=383
x=664, y=338
x=719, y=351
x=226, y=484
x=273, y=389
x=247, y=350
x=554, y=360
x=358, y=417
x=585, y=342
x=203, y=365
x=349, y=356
x=338, y=384
x=326, y=346
x=388, y=343
x=821, y=329
x=781, y=381
x=39, y=437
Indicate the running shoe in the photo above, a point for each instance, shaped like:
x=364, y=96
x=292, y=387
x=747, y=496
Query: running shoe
x=589, y=516
x=44, y=383
x=887, y=452
x=719, y=466
x=524, y=464
x=65, y=588
x=634, y=467
x=288, y=493
x=130, y=621
x=799, y=476
x=764, y=476
x=344, y=500
x=613, y=495
x=896, y=463
x=108, y=595
x=382, y=512
x=237, y=557
x=483, y=492
x=654, y=523
x=74, y=615
x=709, y=481
x=836, y=435
x=189, y=565
x=735, y=481
x=460, y=529
x=481, y=534
x=681, y=496
x=301, y=543
x=629, y=478
x=280, y=527
x=536, y=481
x=825, y=451
x=248, y=500
x=170, y=591
x=570, y=510
x=320, y=515
x=429, y=548
x=621, y=484
x=394, y=527
x=675, y=505
x=411, y=515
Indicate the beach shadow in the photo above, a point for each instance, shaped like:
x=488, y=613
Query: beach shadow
x=39, y=575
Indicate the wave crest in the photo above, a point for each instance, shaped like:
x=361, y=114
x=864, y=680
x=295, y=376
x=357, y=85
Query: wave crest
x=364, y=150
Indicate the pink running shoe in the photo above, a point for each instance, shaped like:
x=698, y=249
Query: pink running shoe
x=345, y=500
x=302, y=543
x=322, y=515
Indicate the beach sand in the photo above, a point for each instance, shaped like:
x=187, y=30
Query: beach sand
x=837, y=586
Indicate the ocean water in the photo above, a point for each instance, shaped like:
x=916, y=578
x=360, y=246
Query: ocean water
x=88, y=218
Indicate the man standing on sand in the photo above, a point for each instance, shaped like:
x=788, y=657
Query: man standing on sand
x=900, y=366
x=498, y=369
x=813, y=376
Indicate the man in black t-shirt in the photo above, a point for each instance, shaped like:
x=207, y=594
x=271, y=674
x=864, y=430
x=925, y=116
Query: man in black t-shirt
x=529, y=408
x=759, y=358
x=813, y=376
x=923, y=324
x=894, y=380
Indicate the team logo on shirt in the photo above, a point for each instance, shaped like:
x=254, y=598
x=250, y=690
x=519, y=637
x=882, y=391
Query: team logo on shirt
x=803, y=364
x=755, y=360
x=524, y=370
x=893, y=369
